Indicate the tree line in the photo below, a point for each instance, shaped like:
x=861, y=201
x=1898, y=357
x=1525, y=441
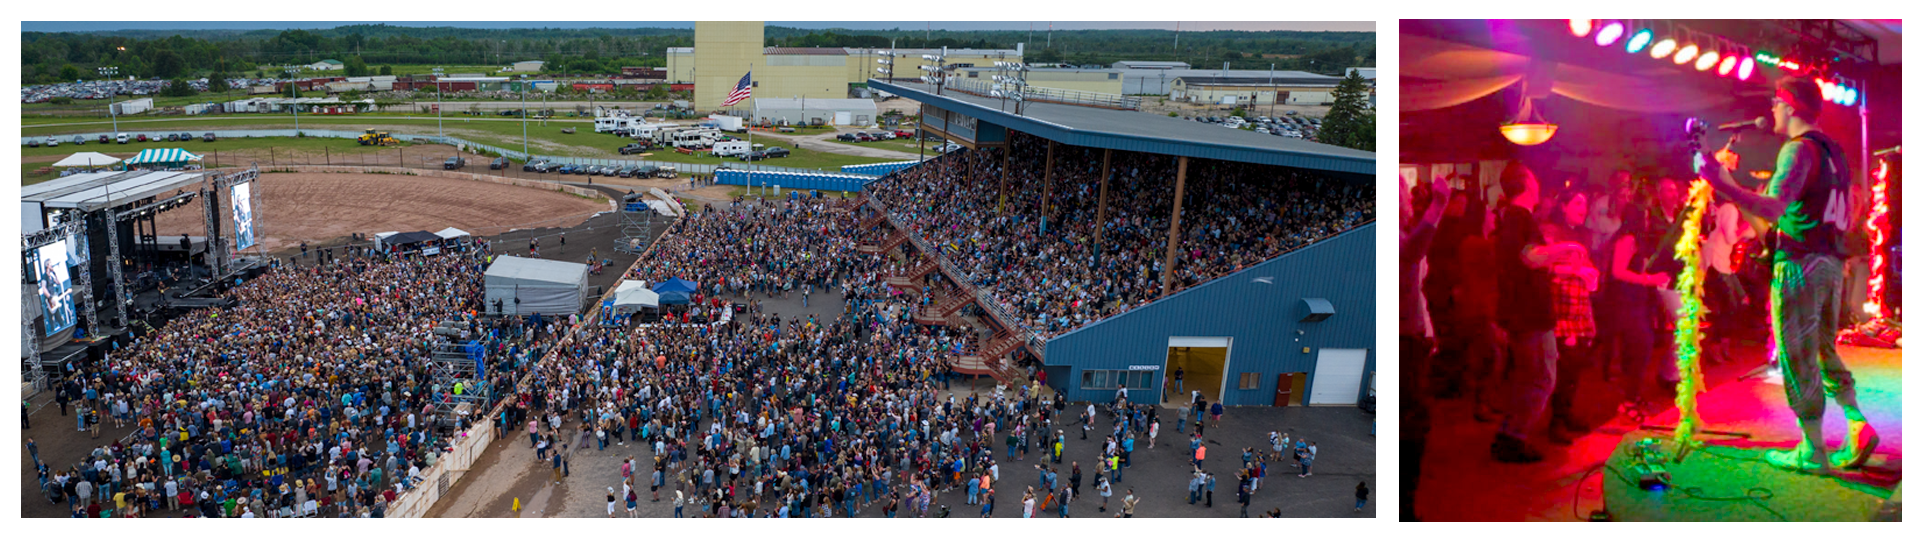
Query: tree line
x=49, y=57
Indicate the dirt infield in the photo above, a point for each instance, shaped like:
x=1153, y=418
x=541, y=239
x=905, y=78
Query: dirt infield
x=317, y=207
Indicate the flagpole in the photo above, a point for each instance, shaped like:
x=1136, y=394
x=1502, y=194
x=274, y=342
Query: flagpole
x=756, y=110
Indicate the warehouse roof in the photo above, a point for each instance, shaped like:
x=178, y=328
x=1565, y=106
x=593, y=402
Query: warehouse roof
x=1146, y=64
x=811, y=51
x=1142, y=132
x=1328, y=82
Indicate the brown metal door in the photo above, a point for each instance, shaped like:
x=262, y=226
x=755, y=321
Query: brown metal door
x=1283, y=390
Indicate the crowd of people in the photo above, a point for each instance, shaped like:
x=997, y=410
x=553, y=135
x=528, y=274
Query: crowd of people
x=1040, y=256
x=1582, y=285
x=312, y=396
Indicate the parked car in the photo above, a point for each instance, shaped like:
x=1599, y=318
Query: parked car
x=499, y=163
x=79, y=140
x=567, y=169
x=775, y=151
x=903, y=134
x=104, y=139
x=453, y=163
x=33, y=143
x=184, y=137
x=531, y=165
x=143, y=137
x=864, y=137
x=883, y=135
x=52, y=142
x=848, y=137
x=122, y=138
x=208, y=137
x=635, y=148
x=543, y=166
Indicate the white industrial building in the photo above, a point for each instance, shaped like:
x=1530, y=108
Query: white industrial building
x=838, y=112
x=1159, y=81
x=526, y=66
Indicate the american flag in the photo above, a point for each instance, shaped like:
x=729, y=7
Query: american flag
x=740, y=91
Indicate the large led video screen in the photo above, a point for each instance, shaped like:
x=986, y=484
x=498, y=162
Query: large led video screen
x=56, y=290
x=242, y=216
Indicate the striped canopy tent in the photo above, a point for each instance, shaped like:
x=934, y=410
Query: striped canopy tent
x=162, y=156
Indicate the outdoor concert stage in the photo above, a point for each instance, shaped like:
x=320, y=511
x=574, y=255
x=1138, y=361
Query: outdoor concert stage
x=1573, y=481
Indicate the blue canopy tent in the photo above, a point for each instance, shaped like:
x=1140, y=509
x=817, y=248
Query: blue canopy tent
x=675, y=291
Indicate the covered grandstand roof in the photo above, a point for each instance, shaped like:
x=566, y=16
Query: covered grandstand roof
x=1141, y=132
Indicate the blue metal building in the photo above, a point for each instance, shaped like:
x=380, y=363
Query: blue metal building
x=1261, y=315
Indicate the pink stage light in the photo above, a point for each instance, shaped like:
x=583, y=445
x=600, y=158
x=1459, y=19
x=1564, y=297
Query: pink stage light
x=1726, y=64
x=1610, y=33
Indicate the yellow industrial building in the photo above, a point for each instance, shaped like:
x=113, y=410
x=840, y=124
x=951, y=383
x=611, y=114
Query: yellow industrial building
x=724, y=51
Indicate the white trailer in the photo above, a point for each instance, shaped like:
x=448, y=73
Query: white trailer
x=732, y=124
x=643, y=131
x=730, y=148
x=695, y=138
x=610, y=124
x=133, y=106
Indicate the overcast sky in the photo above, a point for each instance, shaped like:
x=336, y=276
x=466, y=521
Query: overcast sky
x=82, y=26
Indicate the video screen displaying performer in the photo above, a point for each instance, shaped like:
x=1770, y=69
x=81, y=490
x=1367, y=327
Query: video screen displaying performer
x=56, y=290
x=243, y=216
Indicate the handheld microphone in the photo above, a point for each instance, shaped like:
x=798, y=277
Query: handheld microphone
x=1758, y=122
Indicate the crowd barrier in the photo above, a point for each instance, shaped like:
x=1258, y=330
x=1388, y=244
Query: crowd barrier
x=878, y=169
x=788, y=180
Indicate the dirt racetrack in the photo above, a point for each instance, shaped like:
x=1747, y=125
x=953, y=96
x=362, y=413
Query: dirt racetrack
x=318, y=207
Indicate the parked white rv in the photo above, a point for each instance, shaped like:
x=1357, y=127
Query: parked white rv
x=730, y=148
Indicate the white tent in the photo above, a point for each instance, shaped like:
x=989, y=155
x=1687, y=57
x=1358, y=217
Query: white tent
x=87, y=159
x=632, y=295
x=450, y=233
x=525, y=286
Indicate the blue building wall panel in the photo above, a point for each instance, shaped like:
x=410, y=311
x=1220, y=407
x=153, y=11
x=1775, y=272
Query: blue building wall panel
x=790, y=180
x=1262, y=318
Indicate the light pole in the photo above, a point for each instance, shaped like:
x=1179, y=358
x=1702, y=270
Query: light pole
x=438, y=99
x=294, y=71
x=525, y=153
x=1276, y=90
x=109, y=72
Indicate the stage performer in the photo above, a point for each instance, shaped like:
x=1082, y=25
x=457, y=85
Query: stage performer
x=1807, y=201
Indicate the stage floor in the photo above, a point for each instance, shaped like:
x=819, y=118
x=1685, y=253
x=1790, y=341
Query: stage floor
x=1461, y=482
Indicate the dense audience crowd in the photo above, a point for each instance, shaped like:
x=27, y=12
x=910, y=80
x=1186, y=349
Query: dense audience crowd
x=799, y=417
x=1043, y=260
x=776, y=248
x=312, y=396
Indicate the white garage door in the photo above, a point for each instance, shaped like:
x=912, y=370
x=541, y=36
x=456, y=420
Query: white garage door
x=1336, y=377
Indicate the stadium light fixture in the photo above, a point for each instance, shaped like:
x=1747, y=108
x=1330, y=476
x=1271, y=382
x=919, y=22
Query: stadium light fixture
x=1745, y=69
x=1727, y=64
